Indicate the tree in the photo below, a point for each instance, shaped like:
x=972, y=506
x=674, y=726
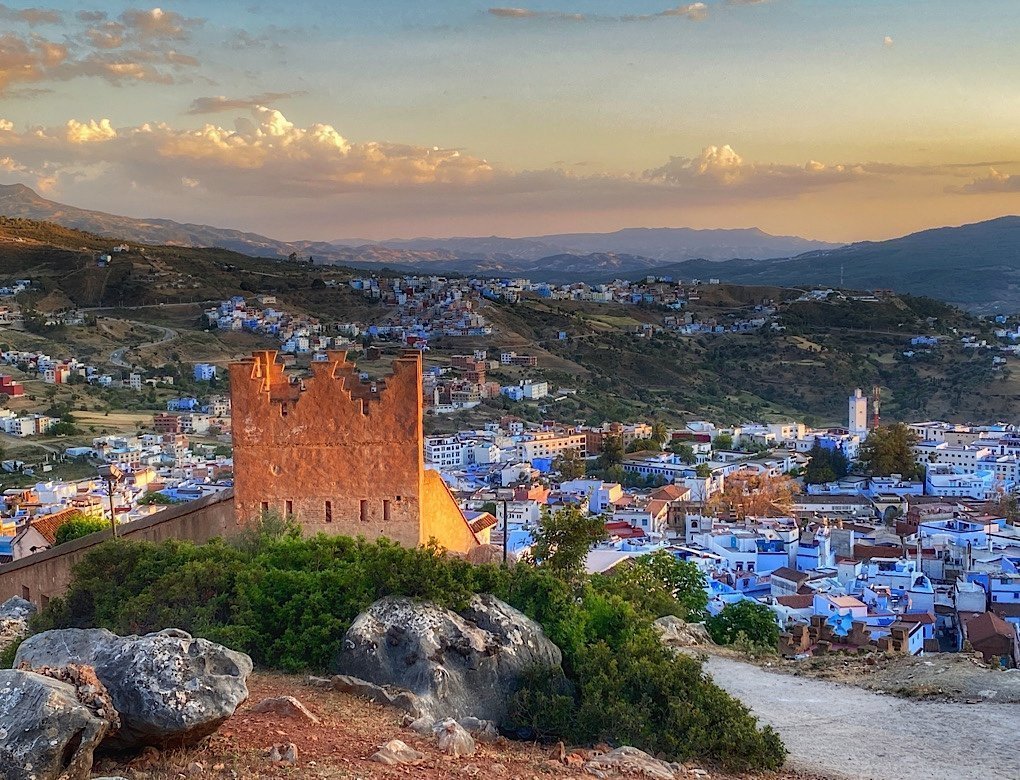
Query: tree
x=77, y=526
x=612, y=451
x=826, y=465
x=564, y=538
x=1004, y=504
x=748, y=493
x=569, y=465
x=748, y=620
x=703, y=471
x=684, y=451
x=641, y=445
x=723, y=441
x=664, y=585
x=889, y=450
x=659, y=433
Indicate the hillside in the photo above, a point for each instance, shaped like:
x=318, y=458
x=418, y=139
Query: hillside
x=806, y=369
x=975, y=266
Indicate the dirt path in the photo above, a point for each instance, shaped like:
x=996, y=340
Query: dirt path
x=854, y=734
x=166, y=334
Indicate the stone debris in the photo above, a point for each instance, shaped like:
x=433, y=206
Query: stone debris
x=285, y=706
x=14, y=616
x=283, y=753
x=88, y=688
x=453, y=739
x=396, y=752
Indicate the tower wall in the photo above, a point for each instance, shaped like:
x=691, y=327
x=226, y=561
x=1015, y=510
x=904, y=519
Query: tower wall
x=339, y=455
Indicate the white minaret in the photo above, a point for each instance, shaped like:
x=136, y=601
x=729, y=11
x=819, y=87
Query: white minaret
x=859, y=413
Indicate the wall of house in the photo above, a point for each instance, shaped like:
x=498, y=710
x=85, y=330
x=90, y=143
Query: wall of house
x=47, y=574
x=338, y=455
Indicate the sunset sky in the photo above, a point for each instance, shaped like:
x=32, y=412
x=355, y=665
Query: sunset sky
x=324, y=119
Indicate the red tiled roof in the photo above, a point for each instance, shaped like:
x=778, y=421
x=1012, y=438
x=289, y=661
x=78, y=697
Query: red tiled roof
x=796, y=602
x=48, y=524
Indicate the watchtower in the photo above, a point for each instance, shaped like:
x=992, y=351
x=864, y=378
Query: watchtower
x=338, y=454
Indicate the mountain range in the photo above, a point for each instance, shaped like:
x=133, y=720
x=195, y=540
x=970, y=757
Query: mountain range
x=564, y=257
x=976, y=266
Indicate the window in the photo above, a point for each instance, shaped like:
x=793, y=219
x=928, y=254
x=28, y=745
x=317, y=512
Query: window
x=329, y=511
x=26, y=593
x=265, y=506
x=364, y=511
x=386, y=510
x=288, y=507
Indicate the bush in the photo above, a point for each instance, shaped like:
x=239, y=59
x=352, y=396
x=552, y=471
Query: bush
x=77, y=527
x=288, y=600
x=747, y=622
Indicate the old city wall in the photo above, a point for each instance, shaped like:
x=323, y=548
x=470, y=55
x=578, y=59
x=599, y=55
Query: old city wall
x=47, y=574
x=337, y=454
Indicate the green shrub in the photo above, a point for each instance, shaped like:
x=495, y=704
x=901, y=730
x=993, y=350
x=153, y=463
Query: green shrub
x=79, y=526
x=748, y=621
x=288, y=600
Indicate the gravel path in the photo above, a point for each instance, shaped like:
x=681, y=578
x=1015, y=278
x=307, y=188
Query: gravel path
x=853, y=734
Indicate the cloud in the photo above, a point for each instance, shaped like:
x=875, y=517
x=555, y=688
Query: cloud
x=721, y=168
x=220, y=103
x=159, y=24
x=143, y=46
x=30, y=16
x=746, y=2
x=110, y=35
x=888, y=42
x=693, y=11
x=995, y=181
x=265, y=155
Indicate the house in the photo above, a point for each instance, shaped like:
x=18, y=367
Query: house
x=40, y=534
x=993, y=637
x=204, y=372
x=787, y=582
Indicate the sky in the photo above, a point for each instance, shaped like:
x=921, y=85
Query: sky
x=841, y=120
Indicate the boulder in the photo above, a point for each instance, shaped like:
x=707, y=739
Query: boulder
x=453, y=739
x=676, y=633
x=457, y=665
x=14, y=617
x=630, y=761
x=285, y=706
x=45, y=731
x=396, y=752
x=169, y=689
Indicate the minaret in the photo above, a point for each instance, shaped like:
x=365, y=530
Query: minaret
x=858, y=413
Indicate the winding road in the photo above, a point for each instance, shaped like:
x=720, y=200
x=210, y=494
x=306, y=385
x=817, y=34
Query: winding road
x=852, y=734
x=166, y=334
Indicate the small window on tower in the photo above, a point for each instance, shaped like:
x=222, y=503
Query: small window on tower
x=265, y=507
x=386, y=510
x=364, y=511
x=289, y=507
x=329, y=511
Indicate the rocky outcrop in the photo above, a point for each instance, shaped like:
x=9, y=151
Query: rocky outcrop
x=46, y=733
x=14, y=616
x=168, y=688
x=677, y=633
x=457, y=665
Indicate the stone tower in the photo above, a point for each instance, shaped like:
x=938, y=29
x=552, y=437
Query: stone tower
x=337, y=454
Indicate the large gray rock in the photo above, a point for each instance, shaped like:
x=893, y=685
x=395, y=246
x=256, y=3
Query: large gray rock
x=14, y=616
x=168, y=688
x=458, y=665
x=676, y=633
x=45, y=732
